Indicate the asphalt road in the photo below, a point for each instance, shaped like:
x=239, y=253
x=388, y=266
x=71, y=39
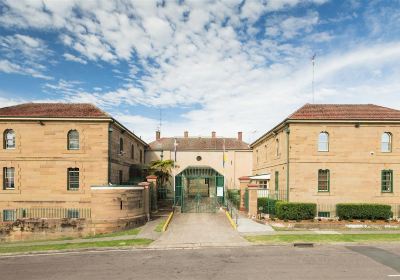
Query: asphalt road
x=254, y=262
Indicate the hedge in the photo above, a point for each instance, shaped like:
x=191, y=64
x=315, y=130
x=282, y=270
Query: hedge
x=267, y=205
x=234, y=197
x=295, y=211
x=362, y=211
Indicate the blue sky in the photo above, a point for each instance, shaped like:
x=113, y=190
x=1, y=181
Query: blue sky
x=226, y=66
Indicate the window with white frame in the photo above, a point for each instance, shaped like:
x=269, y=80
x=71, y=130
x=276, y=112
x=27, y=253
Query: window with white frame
x=9, y=139
x=73, y=140
x=386, y=142
x=323, y=142
x=8, y=178
x=263, y=184
x=73, y=179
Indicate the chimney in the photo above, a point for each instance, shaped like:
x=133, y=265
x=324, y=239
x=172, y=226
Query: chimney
x=213, y=134
x=240, y=136
x=186, y=134
x=158, y=135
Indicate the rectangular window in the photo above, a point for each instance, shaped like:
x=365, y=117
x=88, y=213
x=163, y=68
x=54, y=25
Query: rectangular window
x=323, y=214
x=73, y=214
x=263, y=184
x=387, y=181
x=73, y=179
x=276, y=181
x=9, y=215
x=8, y=178
x=323, y=180
x=141, y=156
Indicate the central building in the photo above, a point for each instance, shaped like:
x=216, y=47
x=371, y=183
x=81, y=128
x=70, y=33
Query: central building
x=205, y=168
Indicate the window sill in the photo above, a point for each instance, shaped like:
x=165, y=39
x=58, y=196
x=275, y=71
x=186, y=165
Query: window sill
x=10, y=191
x=323, y=193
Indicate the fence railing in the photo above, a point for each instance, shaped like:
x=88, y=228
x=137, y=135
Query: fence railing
x=233, y=211
x=45, y=213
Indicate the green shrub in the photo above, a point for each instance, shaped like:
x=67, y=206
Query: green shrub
x=267, y=205
x=295, y=211
x=361, y=211
x=234, y=197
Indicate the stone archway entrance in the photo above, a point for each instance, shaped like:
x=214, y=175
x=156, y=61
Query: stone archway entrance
x=199, y=189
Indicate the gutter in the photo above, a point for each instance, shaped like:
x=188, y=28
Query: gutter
x=287, y=130
x=110, y=130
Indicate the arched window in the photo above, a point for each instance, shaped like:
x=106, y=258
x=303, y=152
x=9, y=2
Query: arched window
x=323, y=142
x=386, y=142
x=277, y=147
x=9, y=139
x=132, y=151
x=73, y=140
x=121, y=145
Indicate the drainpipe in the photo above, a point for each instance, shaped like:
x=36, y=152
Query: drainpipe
x=287, y=130
x=110, y=130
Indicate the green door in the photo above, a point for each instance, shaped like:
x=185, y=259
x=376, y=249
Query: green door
x=178, y=190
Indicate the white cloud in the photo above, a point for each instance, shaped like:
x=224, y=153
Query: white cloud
x=71, y=57
x=206, y=59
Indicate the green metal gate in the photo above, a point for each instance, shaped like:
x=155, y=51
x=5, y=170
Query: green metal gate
x=199, y=189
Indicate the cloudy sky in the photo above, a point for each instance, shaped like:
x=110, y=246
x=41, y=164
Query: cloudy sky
x=228, y=66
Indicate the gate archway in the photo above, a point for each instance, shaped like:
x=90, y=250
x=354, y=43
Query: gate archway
x=199, y=189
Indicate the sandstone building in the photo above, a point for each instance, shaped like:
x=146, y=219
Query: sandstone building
x=56, y=157
x=330, y=154
x=205, y=166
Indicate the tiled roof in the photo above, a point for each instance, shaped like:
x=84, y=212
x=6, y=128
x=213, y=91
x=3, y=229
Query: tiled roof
x=344, y=112
x=54, y=110
x=198, y=143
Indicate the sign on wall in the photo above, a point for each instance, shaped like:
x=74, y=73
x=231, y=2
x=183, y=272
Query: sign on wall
x=220, y=191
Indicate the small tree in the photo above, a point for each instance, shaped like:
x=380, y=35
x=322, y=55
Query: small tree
x=162, y=169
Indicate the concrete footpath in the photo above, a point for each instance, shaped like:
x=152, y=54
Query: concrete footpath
x=199, y=229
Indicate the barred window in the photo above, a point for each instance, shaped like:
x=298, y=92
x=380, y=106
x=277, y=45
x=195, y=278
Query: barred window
x=73, y=179
x=73, y=140
x=8, y=178
x=9, y=215
x=9, y=139
x=323, y=142
x=73, y=213
x=323, y=180
x=387, y=181
x=386, y=142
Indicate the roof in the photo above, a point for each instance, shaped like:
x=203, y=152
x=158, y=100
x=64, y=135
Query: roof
x=54, y=110
x=344, y=112
x=198, y=143
x=338, y=112
x=61, y=110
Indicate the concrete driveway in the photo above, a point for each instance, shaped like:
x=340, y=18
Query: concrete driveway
x=199, y=229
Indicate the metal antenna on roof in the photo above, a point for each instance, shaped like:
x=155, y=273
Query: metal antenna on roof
x=159, y=126
x=313, y=76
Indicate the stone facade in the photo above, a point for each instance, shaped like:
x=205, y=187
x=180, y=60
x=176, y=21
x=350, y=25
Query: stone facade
x=41, y=160
x=354, y=160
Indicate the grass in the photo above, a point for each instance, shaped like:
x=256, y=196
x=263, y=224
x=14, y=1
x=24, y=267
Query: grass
x=69, y=246
x=160, y=226
x=133, y=231
x=324, y=238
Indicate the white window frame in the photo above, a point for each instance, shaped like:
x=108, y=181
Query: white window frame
x=323, y=144
x=386, y=144
x=9, y=178
x=7, y=139
x=73, y=180
x=73, y=140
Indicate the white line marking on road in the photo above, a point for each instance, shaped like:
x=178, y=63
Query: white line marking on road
x=394, y=275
